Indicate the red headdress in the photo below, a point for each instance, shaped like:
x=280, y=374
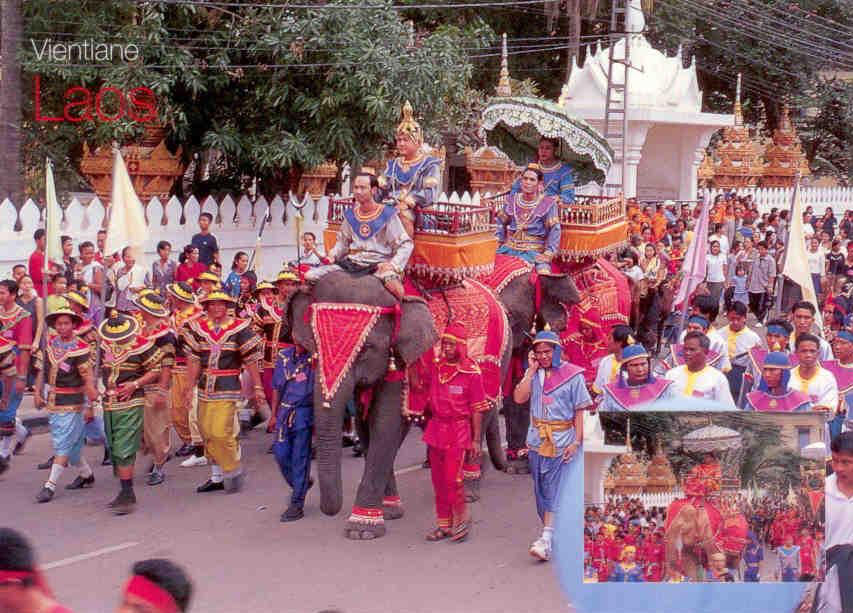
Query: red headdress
x=458, y=333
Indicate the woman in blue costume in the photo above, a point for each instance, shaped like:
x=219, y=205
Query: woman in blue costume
x=558, y=177
x=528, y=226
x=627, y=571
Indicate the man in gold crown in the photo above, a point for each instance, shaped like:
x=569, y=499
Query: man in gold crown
x=413, y=178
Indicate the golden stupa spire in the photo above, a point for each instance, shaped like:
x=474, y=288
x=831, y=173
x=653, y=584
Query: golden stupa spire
x=503, y=88
x=738, y=108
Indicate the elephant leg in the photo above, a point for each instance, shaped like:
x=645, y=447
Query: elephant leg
x=492, y=433
x=327, y=426
x=385, y=423
x=392, y=504
x=517, y=418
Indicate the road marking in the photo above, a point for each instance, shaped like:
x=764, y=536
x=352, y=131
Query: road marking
x=407, y=470
x=88, y=556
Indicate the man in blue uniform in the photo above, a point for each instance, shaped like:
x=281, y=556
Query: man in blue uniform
x=293, y=395
x=558, y=396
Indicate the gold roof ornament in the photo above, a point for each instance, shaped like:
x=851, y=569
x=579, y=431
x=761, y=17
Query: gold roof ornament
x=784, y=156
x=504, y=88
x=408, y=126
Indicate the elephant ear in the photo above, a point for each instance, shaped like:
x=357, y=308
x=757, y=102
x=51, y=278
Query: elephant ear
x=560, y=288
x=297, y=312
x=417, y=331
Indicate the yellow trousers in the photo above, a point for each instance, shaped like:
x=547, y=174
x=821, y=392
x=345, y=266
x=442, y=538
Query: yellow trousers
x=155, y=427
x=219, y=426
x=184, y=417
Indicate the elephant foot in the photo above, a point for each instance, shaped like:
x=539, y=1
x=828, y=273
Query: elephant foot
x=518, y=467
x=392, y=507
x=365, y=524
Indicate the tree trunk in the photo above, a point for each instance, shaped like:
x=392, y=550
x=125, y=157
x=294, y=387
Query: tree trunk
x=574, y=12
x=11, y=174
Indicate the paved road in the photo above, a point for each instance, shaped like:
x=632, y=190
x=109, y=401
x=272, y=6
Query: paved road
x=243, y=559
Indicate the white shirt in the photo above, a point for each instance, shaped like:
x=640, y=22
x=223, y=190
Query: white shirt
x=635, y=273
x=817, y=260
x=839, y=514
x=824, y=350
x=716, y=267
x=724, y=243
x=708, y=383
x=821, y=388
x=608, y=372
x=738, y=344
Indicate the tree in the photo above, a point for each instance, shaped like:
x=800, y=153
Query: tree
x=827, y=130
x=271, y=90
x=11, y=178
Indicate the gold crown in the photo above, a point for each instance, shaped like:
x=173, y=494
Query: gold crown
x=408, y=126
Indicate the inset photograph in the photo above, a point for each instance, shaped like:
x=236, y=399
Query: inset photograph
x=704, y=497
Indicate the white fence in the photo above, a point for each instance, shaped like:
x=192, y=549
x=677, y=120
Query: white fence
x=839, y=198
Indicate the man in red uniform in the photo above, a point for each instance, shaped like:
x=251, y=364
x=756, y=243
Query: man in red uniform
x=654, y=553
x=456, y=404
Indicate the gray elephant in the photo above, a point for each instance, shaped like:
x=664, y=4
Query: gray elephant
x=400, y=337
x=519, y=297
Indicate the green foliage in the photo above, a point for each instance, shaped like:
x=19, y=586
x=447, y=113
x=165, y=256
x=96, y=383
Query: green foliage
x=270, y=89
x=827, y=131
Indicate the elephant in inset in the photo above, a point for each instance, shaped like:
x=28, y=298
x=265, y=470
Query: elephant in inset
x=400, y=335
x=687, y=535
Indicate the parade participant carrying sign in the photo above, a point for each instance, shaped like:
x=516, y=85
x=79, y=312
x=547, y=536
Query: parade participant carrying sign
x=371, y=240
x=528, y=226
x=558, y=395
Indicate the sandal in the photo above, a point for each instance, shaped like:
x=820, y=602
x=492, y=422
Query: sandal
x=460, y=532
x=437, y=534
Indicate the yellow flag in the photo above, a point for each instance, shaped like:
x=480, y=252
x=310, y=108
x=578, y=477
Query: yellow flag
x=52, y=216
x=127, y=225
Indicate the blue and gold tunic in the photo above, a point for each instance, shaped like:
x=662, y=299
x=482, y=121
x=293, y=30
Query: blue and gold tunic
x=529, y=229
x=559, y=181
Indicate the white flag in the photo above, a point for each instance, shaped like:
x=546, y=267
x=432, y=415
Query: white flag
x=127, y=225
x=52, y=217
x=796, y=266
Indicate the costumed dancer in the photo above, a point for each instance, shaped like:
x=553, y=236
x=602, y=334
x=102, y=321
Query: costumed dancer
x=773, y=393
x=753, y=555
x=371, y=240
x=695, y=379
x=413, y=178
x=739, y=340
x=218, y=346
x=558, y=396
x=156, y=586
x=456, y=404
x=129, y=362
x=528, y=226
x=65, y=379
x=638, y=387
x=293, y=405
x=558, y=177
x=654, y=556
x=627, y=570
x=184, y=309
x=270, y=322
x=157, y=414
x=16, y=326
x=808, y=556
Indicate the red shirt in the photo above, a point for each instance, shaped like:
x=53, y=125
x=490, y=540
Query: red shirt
x=189, y=273
x=37, y=271
x=456, y=393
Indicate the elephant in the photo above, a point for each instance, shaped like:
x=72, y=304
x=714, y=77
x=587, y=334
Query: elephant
x=689, y=533
x=519, y=297
x=370, y=377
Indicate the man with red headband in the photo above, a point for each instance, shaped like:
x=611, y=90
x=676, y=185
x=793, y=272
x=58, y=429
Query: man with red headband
x=22, y=586
x=156, y=586
x=558, y=395
x=456, y=403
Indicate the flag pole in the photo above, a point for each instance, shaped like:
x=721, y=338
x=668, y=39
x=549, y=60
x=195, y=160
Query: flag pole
x=780, y=276
x=267, y=216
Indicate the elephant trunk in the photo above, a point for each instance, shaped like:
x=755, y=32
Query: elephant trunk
x=328, y=423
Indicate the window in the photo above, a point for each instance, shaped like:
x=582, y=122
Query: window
x=803, y=436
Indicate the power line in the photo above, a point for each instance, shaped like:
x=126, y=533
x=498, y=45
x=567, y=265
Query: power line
x=399, y=7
